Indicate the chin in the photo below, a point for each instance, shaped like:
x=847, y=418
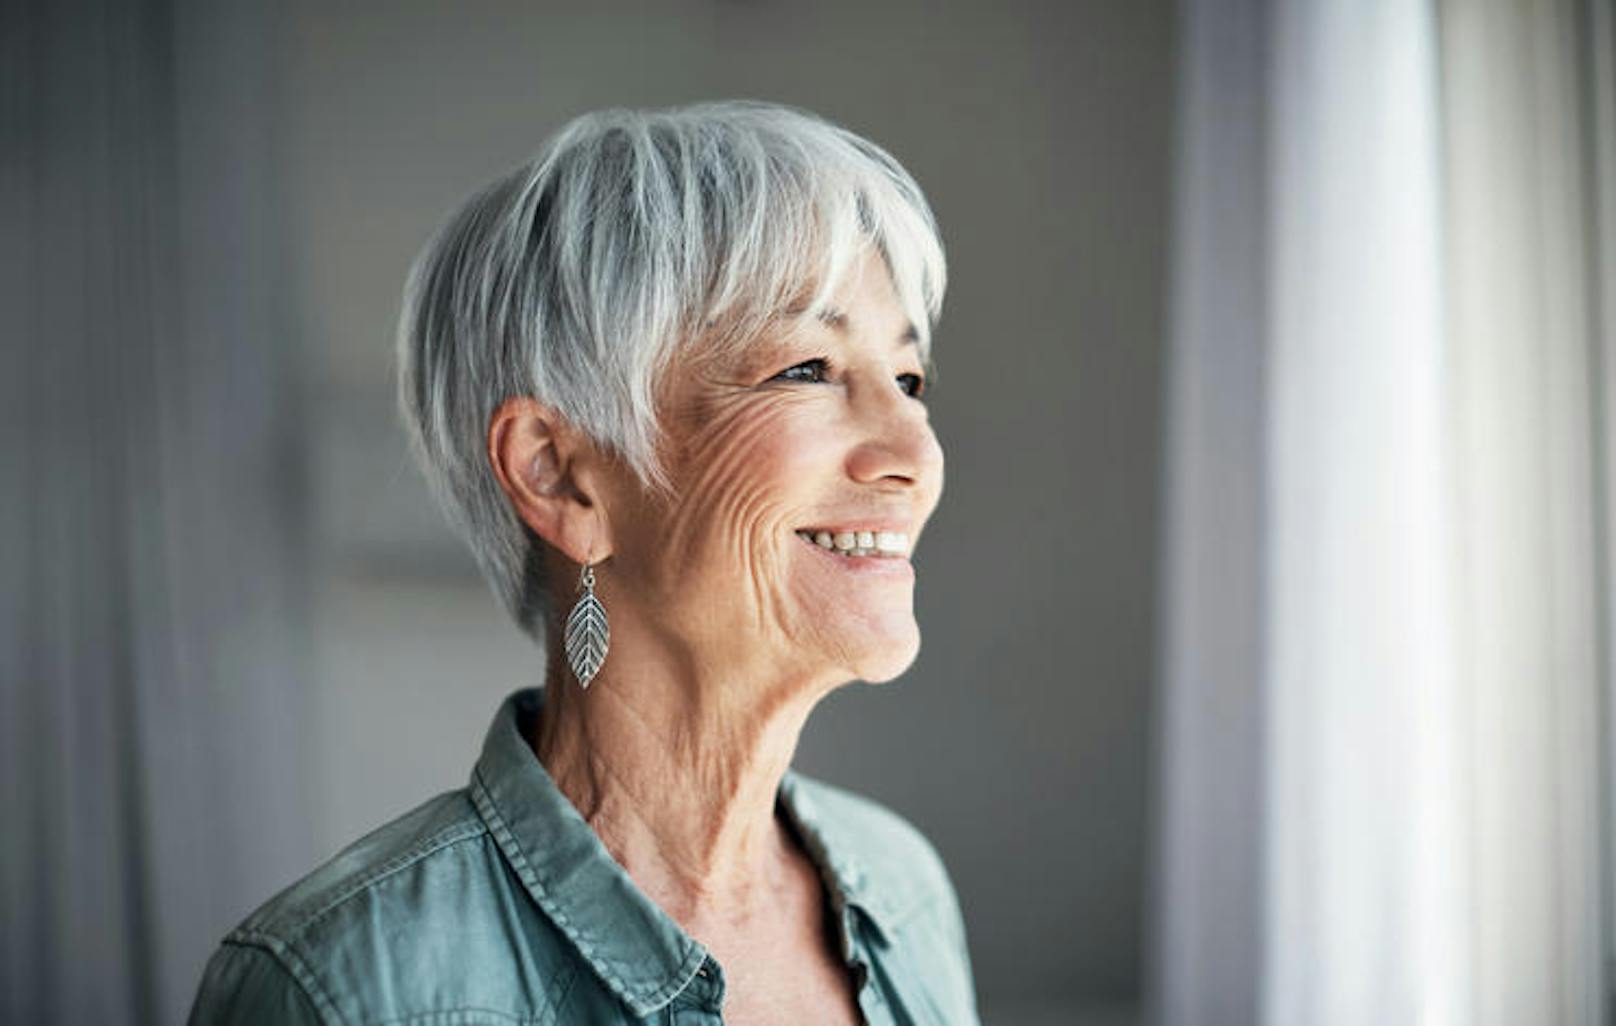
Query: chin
x=888, y=661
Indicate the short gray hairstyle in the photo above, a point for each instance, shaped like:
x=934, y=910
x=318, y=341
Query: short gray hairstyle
x=576, y=278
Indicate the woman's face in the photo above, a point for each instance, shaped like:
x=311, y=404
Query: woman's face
x=816, y=432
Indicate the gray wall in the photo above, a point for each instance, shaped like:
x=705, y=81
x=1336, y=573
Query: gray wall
x=1040, y=132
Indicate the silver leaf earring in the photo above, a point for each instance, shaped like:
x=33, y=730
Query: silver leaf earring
x=588, y=633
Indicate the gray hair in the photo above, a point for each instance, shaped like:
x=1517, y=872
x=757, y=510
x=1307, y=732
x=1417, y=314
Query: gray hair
x=577, y=277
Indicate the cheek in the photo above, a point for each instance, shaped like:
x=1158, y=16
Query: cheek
x=742, y=477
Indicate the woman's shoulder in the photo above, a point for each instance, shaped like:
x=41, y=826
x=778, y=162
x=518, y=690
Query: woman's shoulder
x=394, y=848
x=358, y=936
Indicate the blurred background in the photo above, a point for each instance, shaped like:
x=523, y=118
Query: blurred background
x=1267, y=615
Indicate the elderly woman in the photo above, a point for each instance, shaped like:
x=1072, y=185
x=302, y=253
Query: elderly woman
x=669, y=380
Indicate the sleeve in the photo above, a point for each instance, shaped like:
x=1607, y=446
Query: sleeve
x=248, y=986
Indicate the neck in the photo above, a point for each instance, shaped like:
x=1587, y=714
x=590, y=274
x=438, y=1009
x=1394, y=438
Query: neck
x=675, y=764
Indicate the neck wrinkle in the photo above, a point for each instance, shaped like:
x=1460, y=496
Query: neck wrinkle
x=679, y=787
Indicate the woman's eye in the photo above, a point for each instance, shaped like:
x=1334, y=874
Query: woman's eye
x=818, y=370
x=809, y=370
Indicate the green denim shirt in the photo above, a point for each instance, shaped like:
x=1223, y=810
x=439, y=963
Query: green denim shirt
x=498, y=904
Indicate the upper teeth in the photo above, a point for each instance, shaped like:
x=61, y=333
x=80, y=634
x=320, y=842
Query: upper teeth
x=860, y=543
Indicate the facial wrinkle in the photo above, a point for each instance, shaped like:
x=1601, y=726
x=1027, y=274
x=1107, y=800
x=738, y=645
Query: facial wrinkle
x=722, y=448
x=721, y=493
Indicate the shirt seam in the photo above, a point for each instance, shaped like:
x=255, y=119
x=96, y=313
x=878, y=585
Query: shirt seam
x=565, y=990
x=447, y=838
x=285, y=950
x=550, y=1015
x=294, y=966
x=438, y=1013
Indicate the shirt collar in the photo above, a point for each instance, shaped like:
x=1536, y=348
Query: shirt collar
x=637, y=949
x=839, y=854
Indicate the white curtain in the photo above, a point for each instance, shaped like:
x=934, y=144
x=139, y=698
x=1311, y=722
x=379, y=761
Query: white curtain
x=1385, y=755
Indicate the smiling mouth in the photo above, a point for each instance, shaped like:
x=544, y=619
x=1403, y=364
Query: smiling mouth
x=890, y=544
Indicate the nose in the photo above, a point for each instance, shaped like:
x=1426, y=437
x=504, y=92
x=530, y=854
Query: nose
x=897, y=446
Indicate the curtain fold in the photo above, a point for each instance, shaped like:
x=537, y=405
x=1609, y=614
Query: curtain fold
x=1424, y=818
x=1206, y=936
x=153, y=694
x=1523, y=371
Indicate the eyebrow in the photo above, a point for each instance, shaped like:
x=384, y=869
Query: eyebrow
x=836, y=320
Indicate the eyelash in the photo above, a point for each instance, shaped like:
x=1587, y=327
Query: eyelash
x=915, y=390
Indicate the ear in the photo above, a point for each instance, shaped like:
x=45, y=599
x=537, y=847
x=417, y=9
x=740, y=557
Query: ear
x=547, y=469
